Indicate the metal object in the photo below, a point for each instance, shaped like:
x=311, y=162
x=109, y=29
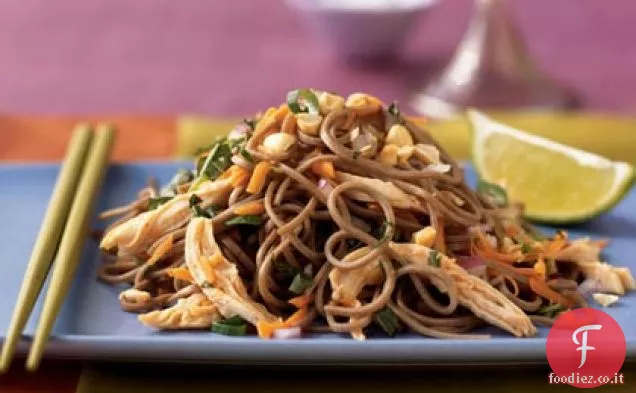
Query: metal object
x=491, y=69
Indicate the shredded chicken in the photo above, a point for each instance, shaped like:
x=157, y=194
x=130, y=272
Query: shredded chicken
x=478, y=296
x=218, y=277
x=396, y=196
x=586, y=254
x=138, y=233
x=347, y=284
x=193, y=312
x=611, y=279
x=580, y=250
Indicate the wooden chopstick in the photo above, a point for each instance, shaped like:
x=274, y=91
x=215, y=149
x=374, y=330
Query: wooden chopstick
x=47, y=239
x=75, y=234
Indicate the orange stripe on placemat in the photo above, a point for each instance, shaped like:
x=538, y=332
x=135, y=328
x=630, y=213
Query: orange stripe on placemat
x=44, y=138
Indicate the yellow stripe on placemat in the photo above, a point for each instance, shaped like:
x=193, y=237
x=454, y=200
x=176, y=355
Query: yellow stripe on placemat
x=607, y=135
x=211, y=378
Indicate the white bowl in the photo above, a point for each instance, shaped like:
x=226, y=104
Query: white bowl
x=362, y=30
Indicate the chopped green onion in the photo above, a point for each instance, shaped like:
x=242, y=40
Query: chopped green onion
x=154, y=203
x=194, y=200
x=207, y=284
x=434, y=259
x=236, y=320
x=246, y=154
x=495, y=192
x=526, y=248
x=197, y=210
x=244, y=220
x=387, y=320
x=384, y=233
x=303, y=100
x=229, y=330
x=552, y=310
x=300, y=283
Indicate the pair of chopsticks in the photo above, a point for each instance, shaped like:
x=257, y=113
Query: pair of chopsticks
x=61, y=237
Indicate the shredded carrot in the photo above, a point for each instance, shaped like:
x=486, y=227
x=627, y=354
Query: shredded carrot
x=301, y=301
x=237, y=174
x=259, y=176
x=485, y=250
x=296, y=318
x=266, y=329
x=541, y=288
x=162, y=249
x=556, y=245
x=281, y=113
x=180, y=273
x=269, y=113
x=324, y=169
x=227, y=173
x=253, y=208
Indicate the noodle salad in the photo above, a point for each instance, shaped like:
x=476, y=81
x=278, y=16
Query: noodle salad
x=340, y=215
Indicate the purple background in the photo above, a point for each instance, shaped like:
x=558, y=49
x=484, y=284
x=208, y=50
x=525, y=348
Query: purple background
x=237, y=56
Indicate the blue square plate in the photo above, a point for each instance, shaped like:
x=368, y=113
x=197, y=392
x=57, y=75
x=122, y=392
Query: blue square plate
x=92, y=325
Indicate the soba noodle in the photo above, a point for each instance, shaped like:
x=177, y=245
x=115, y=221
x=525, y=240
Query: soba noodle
x=360, y=218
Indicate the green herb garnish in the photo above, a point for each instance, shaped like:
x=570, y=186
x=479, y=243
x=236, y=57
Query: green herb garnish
x=387, y=320
x=194, y=200
x=197, y=210
x=356, y=154
x=207, y=284
x=154, y=203
x=552, y=310
x=234, y=326
x=246, y=154
x=434, y=259
x=495, y=192
x=244, y=220
x=217, y=160
x=233, y=321
x=383, y=235
x=526, y=248
x=303, y=100
x=300, y=283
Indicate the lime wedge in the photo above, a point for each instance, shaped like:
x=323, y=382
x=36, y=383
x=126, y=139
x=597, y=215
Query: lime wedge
x=558, y=184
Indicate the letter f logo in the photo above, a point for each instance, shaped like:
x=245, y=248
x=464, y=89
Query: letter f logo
x=584, y=347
